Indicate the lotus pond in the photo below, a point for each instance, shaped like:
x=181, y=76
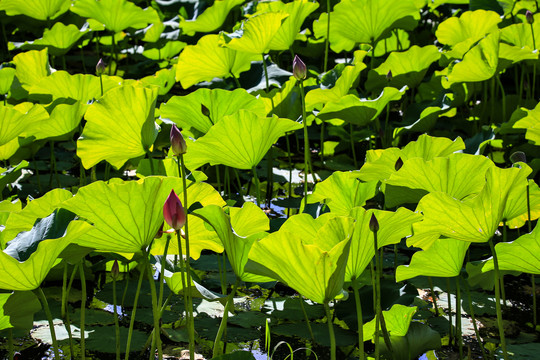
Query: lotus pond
x=231, y=179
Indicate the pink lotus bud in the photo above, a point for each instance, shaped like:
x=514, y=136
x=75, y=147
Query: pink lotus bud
x=178, y=144
x=373, y=223
x=299, y=68
x=529, y=17
x=115, y=270
x=173, y=211
x=100, y=67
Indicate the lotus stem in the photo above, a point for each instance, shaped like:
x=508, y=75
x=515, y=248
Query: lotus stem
x=498, y=299
x=133, y=313
x=327, y=40
x=270, y=155
x=473, y=318
x=378, y=269
x=45, y=304
x=306, y=317
x=375, y=309
x=101, y=82
x=83, y=308
x=503, y=101
x=289, y=194
x=157, y=332
x=330, y=331
x=359, y=319
x=116, y=325
x=162, y=272
x=221, y=275
x=351, y=139
x=11, y=349
x=458, y=318
x=533, y=285
x=217, y=350
x=433, y=296
x=307, y=154
x=65, y=294
x=257, y=184
x=450, y=331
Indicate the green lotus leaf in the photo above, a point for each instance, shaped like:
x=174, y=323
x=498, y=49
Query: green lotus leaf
x=519, y=255
x=119, y=126
x=211, y=19
x=298, y=11
x=8, y=207
x=286, y=101
x=164, y=79
x=19, y=120
x=63, y=120
x=59, y=39
x=360, y=111
x=342, y=192
x=380, y=164
x=397, y=41
x=28, y=275
x=365, y=21
x=240, y=140
x=397, y=319
x=531, y=123
x=393, y=226
x=127, y=215
x=444, y=258
x=236, y=247
x=509, y=55
x=7, y=74
x=31, y=67
x=313, y=267
x=36, y=9
x=517, y=204
x=473, y=220
x=463, y=32
x=520, y=35
x=185, y=111
x=116, y=15
x=256, y=34
x=407, y=67
x=208, y=60
x=165, y=52
x=332, y=89
x=17, y=310
x=480, y=63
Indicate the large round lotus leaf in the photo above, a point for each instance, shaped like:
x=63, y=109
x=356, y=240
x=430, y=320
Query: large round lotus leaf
x=517, y=212
x=119, y=126
x=63, y=120
x=365, y=21
x=31, y=66
x=256, y=34
x=398, y=319
x=16, y=121
x=399, y=40
x=509, y=55
x=240, y=140
x=164, y=79
x=116, y=15
x=298, y=12
x=211, y=19
x=6, y=79
x=531, y=123
x=208, y=60
x=463, y=32
x=186, y=112
x=37, y=9
x=480, y=63
x=168, y=51
x=59, y=39
x=408, y=68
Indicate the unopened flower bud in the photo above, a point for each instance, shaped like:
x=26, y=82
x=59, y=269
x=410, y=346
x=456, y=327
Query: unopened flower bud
x=373, y=223
x=100, y=67
x=389, y=76
x=399, y=164
x=299, y=68
x=115, y=270
x=529, y=17
x=205, y=110
x=518, y=156
x=173, y=211
x=178, y=144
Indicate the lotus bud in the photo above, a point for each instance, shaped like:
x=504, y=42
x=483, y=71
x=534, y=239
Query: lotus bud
x=178, y=144
x=100, y=67
x=373, y=223
x=159, y=232
x=299, y=68
x=205, y=110
x=389, y=76
x=529, y=17
x=173, y=211
x=518, y=156
x=115, y=270
x=399, y=164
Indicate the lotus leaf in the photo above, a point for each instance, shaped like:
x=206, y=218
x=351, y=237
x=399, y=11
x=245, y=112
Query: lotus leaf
x=17, y=309
x=120, y=126
x=520, y=35
x=531, y=122
x=185, y=111
x=240, y=140
x=397, y=319
x=7, y=207
x=509, y=55
x=314, y=267
x=36, y=9
x=59, y=39
x=365, y=21
x=116, y=15
x=397, y=41
x=31, y=67
x=166, y=52
x=63, y=120
x=164, y=79
x=6, y=78
x=517, y=204
x=211, y=19
x=17, y=120
x=208, y=60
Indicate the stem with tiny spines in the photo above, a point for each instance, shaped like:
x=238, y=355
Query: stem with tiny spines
x=498, y=299
x=330, y=331
x=359, y=319
x=217, y=350
x=133, y=313
x=45, y=304
x=306, y=317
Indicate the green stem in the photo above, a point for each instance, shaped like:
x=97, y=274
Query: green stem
x=375, y=307
x=155, y=310
x=218, y=178
x=501, y=87
x=217, y=350
x=450, y=331
x=307, y=154
x=270, y=155
x=289, y=193
x=222, y=275
x=321, y=153
x=378, y=269
x=458, y=318
x=351, y=139
x=330, y=331
x=359, y=319
x=116, y=325
x=473, y=318
x=11, y=349
x=498, y=299
x=83, y=308
x=306, y=318
x=533, y=285
x=133, y=313
x=327, y=40
x=433, y=296
x=257, y=185
x=50, y=320
x=64, y=313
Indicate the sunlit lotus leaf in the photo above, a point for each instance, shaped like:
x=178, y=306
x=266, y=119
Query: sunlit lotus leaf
x=116, y=15
x=36, y=9
x=523, y=254
x=517, y=204
x=211, y=19
x=236, y=246
x=7, y=177
x=380, y=164
x=473, y=220
x=333, y=89
x=313, y=267
x=127, y=215
x=7, y=207
x=407, y=67
x=393, y=226
x=31, y=66
x=342, y=192
x=480, y=63
x=509, y=55
x=531, y=123
x=6, y=79
x=520, y=35
x=166, y=52
x=397, y=41
x=444, y=258
x=397, y=319
x=17, y=310
x=119, y=126
x=16, y=121
x=164, y=79
x=298, y=11
x=208, y=60
x=365, y=21
x=256, y=34
x=240, y=140
x=63, y=120
x=360, y=111
x=186, y=112
x=28, y=275
x=463, y=32
x=59, y=39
